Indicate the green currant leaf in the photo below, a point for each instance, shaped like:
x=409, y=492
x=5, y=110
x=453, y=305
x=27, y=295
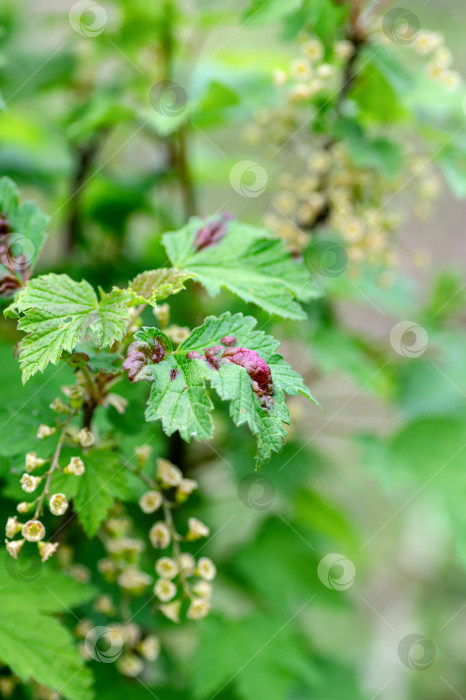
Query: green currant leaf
x=179, y=399
x=264, y=11
x=57, y=314
x=36, y=645
x=248, y=261
x=94, y=492
x=154, y=285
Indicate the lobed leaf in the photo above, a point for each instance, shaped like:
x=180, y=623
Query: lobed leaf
x=58, y=311
x=37, y=646
x=243, y=367
x=154, y=285
x=248, y=261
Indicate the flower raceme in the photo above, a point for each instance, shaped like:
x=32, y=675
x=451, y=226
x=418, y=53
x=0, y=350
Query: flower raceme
x=80, y=461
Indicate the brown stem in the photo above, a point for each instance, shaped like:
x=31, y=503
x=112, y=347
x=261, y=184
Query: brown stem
x=180, y=164
x=86, y=155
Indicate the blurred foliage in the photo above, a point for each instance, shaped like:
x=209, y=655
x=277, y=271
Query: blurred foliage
x=124, y=123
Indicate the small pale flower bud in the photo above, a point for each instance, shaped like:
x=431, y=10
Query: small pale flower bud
x=164, y=590
x=120, y=545
x=166, y=568
x=162, y=314
x=132, y=579
x=76, y=466
x=107, y=568
x=197, y=529
x=185, y=489
x=33, y=461
x=13, y=548
x=119, y=403
x=313, y=49
x=24, y=507
x=172, y=610
x=130, y=665
x=84, y=627
x=12, y=527
x=344, y=49
x=198, y=609
x=300, y=69
x=58, y=406
x=159, y=535
x=85, y=438
x=58, y=504
x=80, y=573
x=149, y=648
x=206, y=569
x=143, y=452
x=104, y=604
x=168, y=474
x=177, y=333
x=33, y=531
x=29, y=483
x=45, y=431
x=187, y=564
x=47, y=549
x=118, y=526
x=132, y=633
x=150, y=501
x=75, y=395
x=203, y=589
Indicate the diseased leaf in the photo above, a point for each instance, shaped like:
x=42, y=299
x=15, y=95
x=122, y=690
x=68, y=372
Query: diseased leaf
x=240, y=363
x=58, y=311
x=24, y=225
x=179, y=399
x=150, y=348
x=246, y=260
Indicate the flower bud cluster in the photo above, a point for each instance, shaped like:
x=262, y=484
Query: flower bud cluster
x=180, y=577
x=122, y=563
x=37, y=479
x=129, y=646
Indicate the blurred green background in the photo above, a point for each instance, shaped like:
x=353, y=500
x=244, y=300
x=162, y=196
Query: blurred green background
x=377, y=476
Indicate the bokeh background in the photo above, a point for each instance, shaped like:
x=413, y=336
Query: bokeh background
x=376, y=477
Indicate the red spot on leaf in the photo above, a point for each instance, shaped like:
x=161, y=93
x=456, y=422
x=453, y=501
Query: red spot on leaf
x=212, y=232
